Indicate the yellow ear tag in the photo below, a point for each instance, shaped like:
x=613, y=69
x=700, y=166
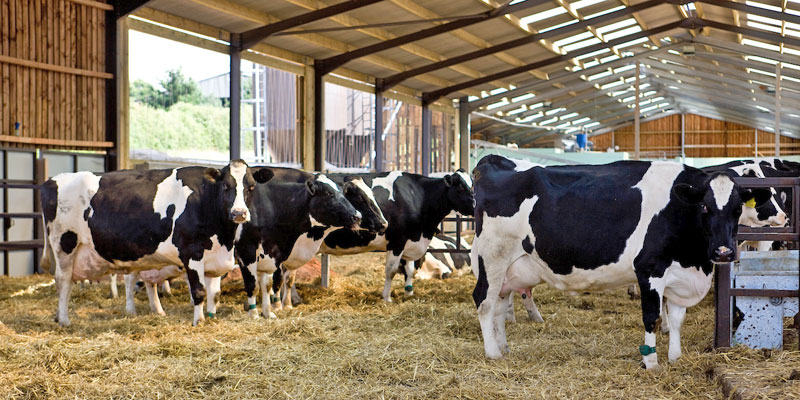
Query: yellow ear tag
x=751, y=203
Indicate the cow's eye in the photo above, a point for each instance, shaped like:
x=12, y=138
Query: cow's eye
x=226, y=186
x=703, y=209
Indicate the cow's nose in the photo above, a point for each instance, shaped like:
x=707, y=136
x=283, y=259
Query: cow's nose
x=239, y=214
x=357, y=217
x=723, y=254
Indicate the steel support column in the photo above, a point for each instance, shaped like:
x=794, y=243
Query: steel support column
x=778, y=109
x=319, y=120
x=378, y=131
x=112, y=122
x=235, y=99
x=463, y=132
x=426, y=139
x=683, y=136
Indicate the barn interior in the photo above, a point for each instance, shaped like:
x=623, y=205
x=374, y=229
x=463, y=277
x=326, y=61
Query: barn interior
x=421, y=86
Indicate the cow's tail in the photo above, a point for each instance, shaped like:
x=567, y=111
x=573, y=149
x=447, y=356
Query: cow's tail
x=46, y=262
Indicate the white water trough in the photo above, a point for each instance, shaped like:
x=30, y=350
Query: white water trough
x=762, y=317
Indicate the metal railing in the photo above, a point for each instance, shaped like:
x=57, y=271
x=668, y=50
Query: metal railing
x=459, y=220
x=723, y=293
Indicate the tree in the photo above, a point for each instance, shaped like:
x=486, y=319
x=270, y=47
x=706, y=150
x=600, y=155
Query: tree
x=145, y=93
x=178, y=88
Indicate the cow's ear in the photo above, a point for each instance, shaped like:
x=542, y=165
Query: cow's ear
x=348, y=187
x=760, y=195
x=688, y=193
x=212, y=174
x=448, y=180
x=461, y=170
x=783, y=197
x=263, y=175
x=311, y=186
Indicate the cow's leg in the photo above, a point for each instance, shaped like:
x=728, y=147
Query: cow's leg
x=286, y=288
x=664, y=318
x=64, y=264
x=212, y=300
x=651, y=310
x=152, y=296
x=675, y=317
x=194, y=271
x=266, y=291
x=113, y=284
x=510, y=316
x=249, y=274
x=487, y=298
x=166, y=288
x=409, y=286
x=392, y=263
x=500, y=323
x=130, y=291
x=277, y=284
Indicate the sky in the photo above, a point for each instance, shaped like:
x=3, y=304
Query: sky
x=150, y=57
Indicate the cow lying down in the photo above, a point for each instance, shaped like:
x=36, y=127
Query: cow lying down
x=595, y=227
x=442, y=265
x=128, y=221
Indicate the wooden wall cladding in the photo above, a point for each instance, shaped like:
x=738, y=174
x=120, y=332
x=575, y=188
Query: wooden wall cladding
x=705, y=137
x=53, y=74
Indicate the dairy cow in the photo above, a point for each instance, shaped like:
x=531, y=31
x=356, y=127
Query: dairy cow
x=289, y=223
x=132, y=220
x=414, y=205
x=442, y=265
x=578, y=228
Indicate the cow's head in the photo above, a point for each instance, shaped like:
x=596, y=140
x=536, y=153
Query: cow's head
x=235, y=184
x=459, y=192
x=360, y=196
x=771, y=213
x=719, y=205
x=327, y=205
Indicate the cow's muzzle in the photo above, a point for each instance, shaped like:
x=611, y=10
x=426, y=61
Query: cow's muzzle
x=723, y=254
x=356, y=224
x=240, y=215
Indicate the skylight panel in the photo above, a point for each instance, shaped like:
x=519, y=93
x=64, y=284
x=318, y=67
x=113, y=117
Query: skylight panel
x=586, y=3
x=498, y=91
x=473, y=98
x=550, y=28
x=498, y=104
x=617, y=25
x=568, y=116
x=762, y=5
x=622, y=32
x=591, y=125
x=592, y=54
x=549, y=121
x=591, y=64
x=758, y=25
x=791, y=51
x=764, y=20
x=516, y=111
x=762, y=59
x=580, y=45
x=612, y=84
x=573, y=39
x=792, y=25
x=609, y=58
x=554, y=111
x=646, y=109
x=604, y=12
x=792, y=32
x=600, y=75
x=564, y=125
x=624, y=68
x=580, y=120
x=543, y=15
x=525, y=96
x=758, y=71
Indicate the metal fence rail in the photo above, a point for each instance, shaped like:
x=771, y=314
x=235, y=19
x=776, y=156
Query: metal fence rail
x=723, y=293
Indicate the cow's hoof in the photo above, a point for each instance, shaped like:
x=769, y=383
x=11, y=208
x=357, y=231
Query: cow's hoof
x=130, y=312
x=161, y=313
x=494, y=355
x=673, y=357
x=445, y=275
x=272, y=315
x=253, y=314
x=387, y=300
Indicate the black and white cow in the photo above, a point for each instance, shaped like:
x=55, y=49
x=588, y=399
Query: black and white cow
x=443, y=265
x=578, y=228
x=414, y=205
x=134, y=220
x=289, y=223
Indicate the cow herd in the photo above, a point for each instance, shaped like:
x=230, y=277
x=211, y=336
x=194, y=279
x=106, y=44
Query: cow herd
x=659, y=225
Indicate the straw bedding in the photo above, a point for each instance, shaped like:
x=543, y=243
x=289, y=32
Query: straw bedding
x=346, y=343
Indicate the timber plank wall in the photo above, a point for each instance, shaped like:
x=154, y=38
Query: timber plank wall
x=53, y=74
x=705, y=137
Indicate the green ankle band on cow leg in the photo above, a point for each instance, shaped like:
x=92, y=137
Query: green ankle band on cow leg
x=251, y=307
x=210, y=315
x=646, y=350
x=409, y=288
x=274, y=299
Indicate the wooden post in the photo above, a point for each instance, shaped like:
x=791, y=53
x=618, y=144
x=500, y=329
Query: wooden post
x=308, y=118
x=40, y=176
x=464, y=133
x=683, y=136
x=778, y=110
x=378, y=131
x=123, y=96
x=325, y=271
x=636, y=142
x=319, y=120
x=235, y=99
x=755, y=154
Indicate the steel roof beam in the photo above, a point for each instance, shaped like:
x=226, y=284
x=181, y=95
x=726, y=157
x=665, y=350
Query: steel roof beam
x=331, y=63
x=752, y=10
x=395, y=79
x=697, y=106
x=738, y=61
x=750, y=32
x=253, y=36
x=430, y=97
x=713, y=93
x=746, y=50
